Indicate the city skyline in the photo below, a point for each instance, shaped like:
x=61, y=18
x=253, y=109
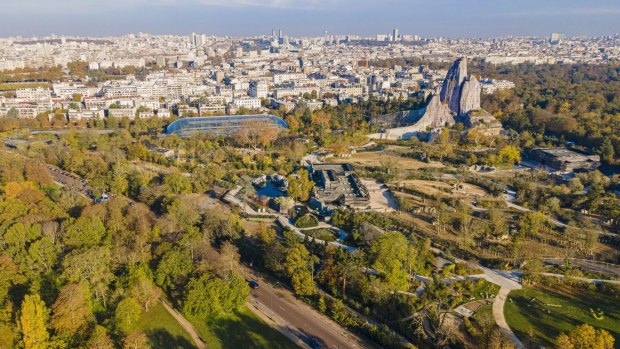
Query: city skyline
x=449, y=18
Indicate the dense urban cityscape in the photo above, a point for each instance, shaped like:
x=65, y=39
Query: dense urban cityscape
x=221, y=75
x=309, y=191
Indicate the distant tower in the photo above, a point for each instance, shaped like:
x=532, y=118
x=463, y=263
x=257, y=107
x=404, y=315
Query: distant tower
x=395, y=34
x=300, y=58
x=556, y=38
x=273, y=35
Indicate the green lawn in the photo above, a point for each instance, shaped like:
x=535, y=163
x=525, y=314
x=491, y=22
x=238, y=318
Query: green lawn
x=484, y=314
x=546, y=322
x=242, y=329
x=322, y=234
x=163, y=331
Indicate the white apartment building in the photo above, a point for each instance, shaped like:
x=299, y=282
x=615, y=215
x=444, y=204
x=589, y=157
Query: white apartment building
x=75, y=115
x=120, y=91
x=64, y=90
x=245, y=102
x=280, y=78
x=33, y=94
x=489, y=86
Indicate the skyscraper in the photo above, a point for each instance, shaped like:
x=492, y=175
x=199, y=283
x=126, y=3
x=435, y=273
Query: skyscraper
x=395, y=34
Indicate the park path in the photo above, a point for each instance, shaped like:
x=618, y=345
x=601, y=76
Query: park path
x=591, y=281
x=185, y=324
x=500, y=319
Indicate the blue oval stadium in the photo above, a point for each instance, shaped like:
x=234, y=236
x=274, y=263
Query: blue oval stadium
x=224, y=125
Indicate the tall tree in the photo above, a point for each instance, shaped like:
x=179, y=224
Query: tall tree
x=33, y=318
x=299, y=185
x=71, y=313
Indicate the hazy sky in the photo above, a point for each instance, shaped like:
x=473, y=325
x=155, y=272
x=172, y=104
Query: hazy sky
x=453, y=18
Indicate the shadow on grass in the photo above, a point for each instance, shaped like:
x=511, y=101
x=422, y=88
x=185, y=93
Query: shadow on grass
x=162, y=339
x=243, y=331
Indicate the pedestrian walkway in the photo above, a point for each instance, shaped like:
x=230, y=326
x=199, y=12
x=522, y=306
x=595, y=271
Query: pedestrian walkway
x=500, y=319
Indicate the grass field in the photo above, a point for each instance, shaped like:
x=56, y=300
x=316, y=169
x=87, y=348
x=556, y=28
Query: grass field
x=240, y=330
x=484, y=314
x=163, y=331
x=562, y=308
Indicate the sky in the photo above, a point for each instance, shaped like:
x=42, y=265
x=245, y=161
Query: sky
x=428, y=18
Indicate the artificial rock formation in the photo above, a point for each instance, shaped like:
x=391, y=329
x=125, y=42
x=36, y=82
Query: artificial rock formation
x=460, y=92
x=470, y=95
x=452, y=85
x=459, y=100
x=404, y=125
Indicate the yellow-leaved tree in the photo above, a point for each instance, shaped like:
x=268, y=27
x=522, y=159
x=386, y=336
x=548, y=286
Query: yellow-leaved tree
x=33, y=318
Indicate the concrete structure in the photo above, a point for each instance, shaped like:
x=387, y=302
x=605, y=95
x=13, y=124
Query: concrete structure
x=337, y=185
x=564, y=160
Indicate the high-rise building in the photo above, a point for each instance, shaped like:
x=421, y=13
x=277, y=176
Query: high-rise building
x=557, y=38
x=395, y=34
x=197, y=39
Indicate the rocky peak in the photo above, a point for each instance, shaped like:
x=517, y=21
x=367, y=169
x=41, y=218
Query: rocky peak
x=470, y=95
x=451, y=88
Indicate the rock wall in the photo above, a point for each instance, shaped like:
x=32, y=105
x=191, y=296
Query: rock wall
x=470, y=95
x=452, y=85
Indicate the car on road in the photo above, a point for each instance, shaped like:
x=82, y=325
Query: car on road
x=253, y=284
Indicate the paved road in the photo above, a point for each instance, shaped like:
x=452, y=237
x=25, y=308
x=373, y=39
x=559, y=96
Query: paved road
x=185, y=324
x=306, y=323
x=592, y=281
x=587, y=265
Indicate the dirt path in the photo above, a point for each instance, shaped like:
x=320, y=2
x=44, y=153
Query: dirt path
x=500, y=319
x=186, y=325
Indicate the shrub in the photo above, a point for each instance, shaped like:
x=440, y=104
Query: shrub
x=306, y=221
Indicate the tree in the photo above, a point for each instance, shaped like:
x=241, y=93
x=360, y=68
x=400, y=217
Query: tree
x=300, y=266
x=256, y=133
x=299, y=185
x=208, y=295
x=509, y=155
x=606, y=151
x=33, y=318
x=127, y=312
x=444, y=143
x=85, y=232
x=37, y=173
x=174, y=268
x=585, y=337
x=92, y=266
x=178, y=183
x=71, y=313
x=391, y=254
x=136, y=340
x=145, y=292
x=99, y=339
x=532, y=223
x=563, y=342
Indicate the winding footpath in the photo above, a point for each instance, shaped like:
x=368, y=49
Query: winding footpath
x=500, y=319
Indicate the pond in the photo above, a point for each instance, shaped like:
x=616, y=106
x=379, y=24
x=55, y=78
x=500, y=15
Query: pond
x=270, y=190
